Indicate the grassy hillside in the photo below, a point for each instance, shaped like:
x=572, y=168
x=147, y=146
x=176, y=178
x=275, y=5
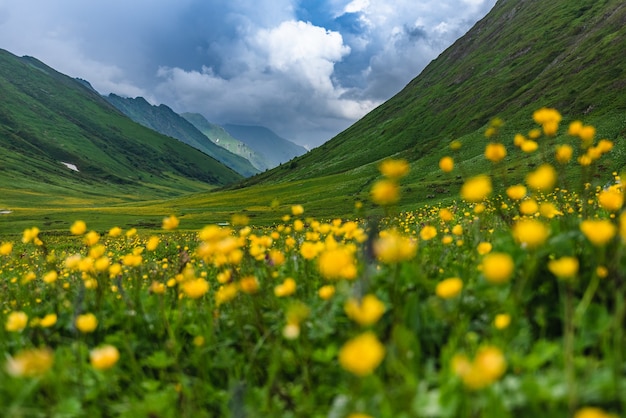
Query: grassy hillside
x=521, y=56
x=220, y=137
x=47, y=119
x=164, y=120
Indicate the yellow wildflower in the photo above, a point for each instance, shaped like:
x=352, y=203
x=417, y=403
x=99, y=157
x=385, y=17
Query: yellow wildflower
x=542, y=179
x=476, y=188
x=502, y=321
x=516, y=192
x=529, y=146
x=48, y=320
x=366, y=312
x=78, y=228
x=484, y=248
x=449, y=288
x=564, y=267
x=92, y=238
x=195, y=288
x=530, y=233
x=50, y=277
x=104, y=357
x=362, y=354
x=495, y=152
x=385, y=192
x=30, y=363
x=249, y=284
x=528, y=207
x=6, y=248
x=16, y=321
x=326, y=292
x=488, y=366
x=564, y=153
x=611, y=199
x=599, y=231
x=391, y=247
x=592, y=412
x=286, y=288
x=549, y=119
x=86, y=323
x=446, y=215
x=170, y=223
x=116, y=231
x=497, y=267
x=226, y=293
x=446, y=164
x=337, y=263
x=394, y=169
x=428, y=232
x=153, y=243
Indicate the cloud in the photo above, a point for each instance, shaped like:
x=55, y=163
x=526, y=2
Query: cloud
x=306, y=69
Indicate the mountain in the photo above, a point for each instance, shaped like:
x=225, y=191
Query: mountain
x=274, y=148
x=59, y=138
x=222, y=138
x=523, y=55
x=164, y=120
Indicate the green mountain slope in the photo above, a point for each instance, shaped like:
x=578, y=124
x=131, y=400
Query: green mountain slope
x=164, y=120
x=220, y=137
x=262, y=140
x=47, y=119
x=523, y=55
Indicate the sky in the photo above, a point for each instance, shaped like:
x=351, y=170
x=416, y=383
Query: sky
x=307, y=69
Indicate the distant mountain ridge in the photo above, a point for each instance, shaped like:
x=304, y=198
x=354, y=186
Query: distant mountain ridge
x=163, y=119
x=276, y=149
x=50, y=123
x=218, y=134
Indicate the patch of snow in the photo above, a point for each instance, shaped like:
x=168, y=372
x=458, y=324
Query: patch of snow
x=70, y=166
x=5, y=211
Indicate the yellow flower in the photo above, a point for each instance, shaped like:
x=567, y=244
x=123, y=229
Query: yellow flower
x=116, y=231
x=362, y=354
x=502, y=321
x=92, y=238
x=170, y=223
x=86, y=323
x=548, y=210
x=449, y=288
x=50, y=277
x=6, y=248
x=226, y=293
x=446, y=215
x=476, y=188
x=542, y=179
x=428, y=232
x=288, y=287
x=366, y=312
x=564, y=153
x=564, y=267
x=337, y=263
x=385, y=192
x=484, y=248
x=516, y=192
x=30, y=234
x=153, y=243
x=529, y=146
x=530, y=233
x=16, y=321
x=446, y=164
x=611, y=199
x=297, y=210
x=104, y=357
x=78, y=228
x=457, y=230
x=587, y=133
x=30, y=363
x=528, y=207
x=488, y=366
x=394, y=169
x=495, y=152
x=599, y=232
x=249, y=284
x=592, y=412
x=574, y=128
x=498, y=267
x=48, y=320
x=549, y=119
x=326, y=292
x=359, y=415
x=391, y=247
x=195, y=288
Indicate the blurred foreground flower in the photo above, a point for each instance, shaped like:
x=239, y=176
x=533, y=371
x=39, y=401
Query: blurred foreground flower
x=488, y=366
x=367, y=311
x=362, y=354
x=16, y=321
x=30, y=363
x=104, y=357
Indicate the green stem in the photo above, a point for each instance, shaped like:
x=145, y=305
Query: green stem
x=568, y=347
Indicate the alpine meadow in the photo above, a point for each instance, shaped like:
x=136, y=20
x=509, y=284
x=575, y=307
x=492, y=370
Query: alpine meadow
x=460, y=251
